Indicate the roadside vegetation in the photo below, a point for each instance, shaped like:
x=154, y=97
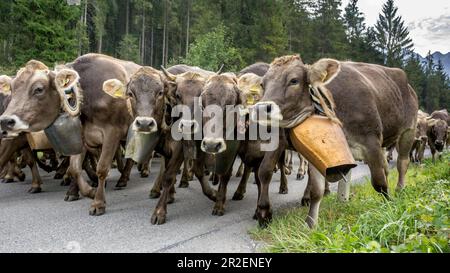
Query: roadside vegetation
x=415, y=220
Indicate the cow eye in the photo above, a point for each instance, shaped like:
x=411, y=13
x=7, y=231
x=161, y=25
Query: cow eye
x=130, y=94
x=38, y=91
x=161, y=93
x=178, y=96
x=294, y=82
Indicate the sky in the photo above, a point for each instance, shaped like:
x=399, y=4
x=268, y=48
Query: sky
x=428, y=21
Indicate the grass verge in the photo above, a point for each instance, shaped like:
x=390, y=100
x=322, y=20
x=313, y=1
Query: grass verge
x=415, y=220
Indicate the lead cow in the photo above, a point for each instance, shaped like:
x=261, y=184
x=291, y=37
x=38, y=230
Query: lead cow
x=37, y=99
x=375, y=104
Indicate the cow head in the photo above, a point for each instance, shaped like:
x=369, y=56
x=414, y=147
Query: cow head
x=146, y=93
x=37, y=96
x=287, y=87
x=189, y=86
x=437, y=129
x=219, y=92
x=251, y=86
x=5, y=92
x=421, y=130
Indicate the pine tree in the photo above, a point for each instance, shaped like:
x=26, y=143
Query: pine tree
x=392, y=35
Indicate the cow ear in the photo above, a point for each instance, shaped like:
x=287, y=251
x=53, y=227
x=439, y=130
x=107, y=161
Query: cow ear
x=67, y=84
x=323, y=71
x=114, y=88
x=431, y=122
x=5, y=84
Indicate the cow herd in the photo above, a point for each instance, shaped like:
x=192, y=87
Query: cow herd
x=114, y=99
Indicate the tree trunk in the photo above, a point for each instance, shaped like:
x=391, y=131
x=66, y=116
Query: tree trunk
x=127, y=18
x=151, y=43
x=143, y=35
x=188, y=25
x=100, y=42
x=164, y=34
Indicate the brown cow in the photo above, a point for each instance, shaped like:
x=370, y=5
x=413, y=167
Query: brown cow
x=375, y=105
x=420, y=140
x=37, y=97
x=437, y=132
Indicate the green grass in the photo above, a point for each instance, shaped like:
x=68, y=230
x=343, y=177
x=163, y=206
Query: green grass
x=414, y=220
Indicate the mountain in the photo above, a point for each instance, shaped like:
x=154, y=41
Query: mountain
x=445, y=59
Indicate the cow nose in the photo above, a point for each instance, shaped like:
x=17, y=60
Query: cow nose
x=212, y=146
x=145, y=124
x=7, y=124
x=439, y=142
x=424, y=138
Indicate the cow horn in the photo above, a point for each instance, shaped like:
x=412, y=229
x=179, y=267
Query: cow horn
x=169, y=75
x=67, y=85
x=220, y=69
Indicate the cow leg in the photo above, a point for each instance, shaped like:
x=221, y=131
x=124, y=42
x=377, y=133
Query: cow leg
x=240, y=191
x=265, y=172
x=125, y=175
x=62, y=168
x=75, y=169
x=109, y=149
x=219, y=207
x=240, y=170
x=377, y=162
x=173, y=165
x=187, y=166
x=306, y=199
x=9, y=176
x=36, y=178
x=289, y=164
x=90, y=167
x=302, y=167
x=144, y=168
x=258, y=184
x=155, y=192
x=199, y=172
x=283, y=180
x=317, y=188
x=18, y=172
x=405, y=143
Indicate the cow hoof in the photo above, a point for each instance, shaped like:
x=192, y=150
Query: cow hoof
x=255, y=216
x=158, y=219
x=264, y=217
x=183, y=184
x=35, y=190
x=21, y=177
x=144, y=174
x=300, y=176
x=287, y=172
x=58, y=176
x=326, y=192
x=8, y=180
x=154, y=194
x=97, y=210
x=283, y=191
x=120, y=184
x=171, y=199
x=218, y=212
x=71, y=197
x=238, y=196
x=305, y=201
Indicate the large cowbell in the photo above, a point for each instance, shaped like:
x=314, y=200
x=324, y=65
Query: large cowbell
x=140, y=146
x=65, y=135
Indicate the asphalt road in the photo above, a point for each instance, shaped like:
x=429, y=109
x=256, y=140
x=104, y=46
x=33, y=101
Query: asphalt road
x=44, y=222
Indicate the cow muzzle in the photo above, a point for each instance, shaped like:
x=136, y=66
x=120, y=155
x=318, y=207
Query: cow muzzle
x=145, y=125
x=265, y=113
x=213, y=145
x=188, y=126
x=439, y=145
x=11, y=126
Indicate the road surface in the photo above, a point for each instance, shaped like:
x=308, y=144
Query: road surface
x=44, y=222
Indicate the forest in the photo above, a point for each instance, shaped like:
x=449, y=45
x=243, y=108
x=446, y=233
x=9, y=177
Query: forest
x=209, y=33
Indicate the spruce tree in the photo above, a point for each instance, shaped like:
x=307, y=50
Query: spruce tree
x=392, y=35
